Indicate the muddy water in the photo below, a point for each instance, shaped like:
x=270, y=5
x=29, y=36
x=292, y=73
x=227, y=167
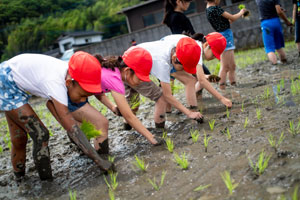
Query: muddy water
x=74, y=171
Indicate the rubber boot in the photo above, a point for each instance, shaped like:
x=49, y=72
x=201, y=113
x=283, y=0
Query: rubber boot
x=104, y=147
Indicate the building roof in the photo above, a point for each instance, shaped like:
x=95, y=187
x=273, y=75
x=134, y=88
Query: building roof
x=78, y=34
x=136, y=6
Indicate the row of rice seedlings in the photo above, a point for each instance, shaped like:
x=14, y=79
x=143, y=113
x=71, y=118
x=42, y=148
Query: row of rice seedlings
x=195, y=135
x=258, y=113
x=201, y=187
x=212, y=124
x=89, y=130
x=294, y=130
x=182, y=160
x=275, y=144
x=72, y=195
x=156, y=185
x=140, y=164
x=261, y=164
x=230, y=183
x=113, y=181
x=205, y=141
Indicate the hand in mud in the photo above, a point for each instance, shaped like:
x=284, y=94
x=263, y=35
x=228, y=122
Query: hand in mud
x=117, y=111
x=226, y=102
x=157, y=141
x=213, y=78
x=196, y=116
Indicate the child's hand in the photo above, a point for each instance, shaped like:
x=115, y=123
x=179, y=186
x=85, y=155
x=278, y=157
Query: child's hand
x=195, y=115
x=156, y=141
x=116, y=111
x=226, y=102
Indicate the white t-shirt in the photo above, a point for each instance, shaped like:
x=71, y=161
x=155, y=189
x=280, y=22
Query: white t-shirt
x=40, y=75
x=175, y=39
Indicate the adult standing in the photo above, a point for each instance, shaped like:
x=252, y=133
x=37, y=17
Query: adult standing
x=296, y=21
x=270, y=11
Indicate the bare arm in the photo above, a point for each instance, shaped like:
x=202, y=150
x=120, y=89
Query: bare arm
x=68, y=122
x=294, y=13
x=205, y=84
x=167, y=92
x=234, y=17
x=130, y=117
x=105, y=100
x=282, y=15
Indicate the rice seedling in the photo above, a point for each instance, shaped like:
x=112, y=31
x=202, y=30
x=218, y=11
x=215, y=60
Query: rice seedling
x=154, y=184
x=201, y=187
x=258, y=113
x=229, y=182
x=282, y=83
x=278, y=88
x=181, y=161
x=195, y=135
x=140, y=163
x=266, y=94
x=50, y=133
x=227, y=112
x=294, y=130
x=1, y=149
x=242, y=6
x=205, y=141
x=164, y=136
x=273, y=142
x=113, y=181
x=228, y=134
x=7, y=140
x=135, y=101
x=89, y=130
x=242, y=109
x=246, y=122
x=170, y=144
x=212, y=123
x=261, y=164
x=72, y=195
x=111, y=194
x=111, y=159
x=295, y=193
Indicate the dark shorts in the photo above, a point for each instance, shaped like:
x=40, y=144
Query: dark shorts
x=297, y=31
x=75, y=106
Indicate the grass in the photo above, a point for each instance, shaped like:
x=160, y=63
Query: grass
x=89, y=130
x=195, y=135
x=113, y=181
x=294, y=130
x=72, y=195
x=205, y=141
x=170, y=144
x=261, y=164
x=228, y=134
x=181, y=161
x=258, y=113
x=140, y=164
x=212, y=123
x=201, y=187
x=246, y=122
x=229, y=182
x=154, y=184
x=273, y=142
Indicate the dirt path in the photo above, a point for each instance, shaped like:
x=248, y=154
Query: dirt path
x=73, y=171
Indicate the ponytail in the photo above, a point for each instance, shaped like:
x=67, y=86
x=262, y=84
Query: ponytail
x=197, y=36
x=111, y=62
x=170, y=6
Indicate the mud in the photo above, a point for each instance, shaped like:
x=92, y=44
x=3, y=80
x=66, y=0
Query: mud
x=74, y=171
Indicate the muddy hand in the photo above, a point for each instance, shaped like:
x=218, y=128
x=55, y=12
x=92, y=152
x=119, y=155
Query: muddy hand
x=157, y=141
x=117, y=111
x=214, y=78
x=196, y=116
x=226, y=102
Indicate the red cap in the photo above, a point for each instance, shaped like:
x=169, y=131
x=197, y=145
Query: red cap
x=188, y=53
x=140, y=61
x=217, y=43
x=86, y=70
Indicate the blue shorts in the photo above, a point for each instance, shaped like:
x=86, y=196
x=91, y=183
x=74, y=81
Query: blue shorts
x=297, y=31
x=229, y=39
x=75, y=106
x=272, y=34
x=11, y=96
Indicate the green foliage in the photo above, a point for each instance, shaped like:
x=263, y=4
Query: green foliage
x=72, y=195
x=205, y=141
x=267, y=93
x=170, y=144
x=229, y=182
x=165, y=134
x=201, y=187
x=212, y=123
x=181, y=161
x=111, y=159
x=242, y=6
x=195, y=135
x=217, y=69
x=246, y=122
x=273, y=142
x=228, y=134
x=140, y=163
x=155, y=185
x=111, y=194
x=294, y=130
x=258, y=113
x=261, y=164
x=295, y=87
x=89, y=130
x=113, y=181
x=1, y=149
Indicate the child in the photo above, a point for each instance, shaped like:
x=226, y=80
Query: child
x=33, y=74
x=296, y=21
x=220, y=21
x=212, y=46
x=271, y=28
x=134, y=67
